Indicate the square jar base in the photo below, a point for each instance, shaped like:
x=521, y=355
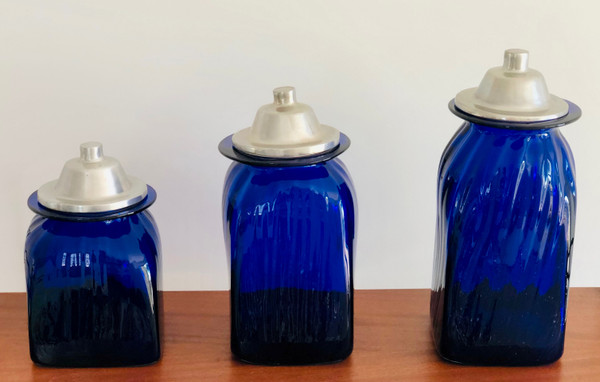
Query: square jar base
x=501, y=356
x=292, y=354
x=95, y=354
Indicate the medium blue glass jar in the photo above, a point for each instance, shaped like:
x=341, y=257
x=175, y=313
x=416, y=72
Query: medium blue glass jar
x=93, y=275
x=505, y=227
x=289, y=226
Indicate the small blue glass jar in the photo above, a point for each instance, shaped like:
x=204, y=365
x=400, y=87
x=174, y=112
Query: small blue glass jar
x=289, y=222
x=92, y=263
x=505, y=224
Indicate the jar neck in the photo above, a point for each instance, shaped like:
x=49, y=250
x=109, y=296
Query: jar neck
x=484, y=129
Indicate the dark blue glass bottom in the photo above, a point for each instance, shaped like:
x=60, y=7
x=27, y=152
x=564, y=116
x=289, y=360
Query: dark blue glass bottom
x=93, y=329
x=503, y=327
x=291, y=326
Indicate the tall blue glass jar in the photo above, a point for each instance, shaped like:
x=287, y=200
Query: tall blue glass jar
x=505, y=225
x=92, y=263
x=289, y=223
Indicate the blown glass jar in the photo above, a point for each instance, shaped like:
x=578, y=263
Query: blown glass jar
x=506, y=219
x=92, y=288
x=290, y=236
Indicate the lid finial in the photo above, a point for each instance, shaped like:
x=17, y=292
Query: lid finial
x=285, y=95
x=91, y=152
x=516, y=60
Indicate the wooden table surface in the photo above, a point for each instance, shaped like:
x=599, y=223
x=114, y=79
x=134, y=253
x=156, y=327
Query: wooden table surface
x=392, y=343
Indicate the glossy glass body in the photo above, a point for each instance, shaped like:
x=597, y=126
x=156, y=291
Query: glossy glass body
x=92, y=291
x=290, y=235
x=505, y=226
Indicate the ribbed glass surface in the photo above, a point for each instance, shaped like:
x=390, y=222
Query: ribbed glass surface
x=290, y=234
x=92, y=291
x=506, y=218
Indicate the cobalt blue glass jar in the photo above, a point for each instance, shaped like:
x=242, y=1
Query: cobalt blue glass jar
x=505, y=222
x=92, y=263
x=289, y=222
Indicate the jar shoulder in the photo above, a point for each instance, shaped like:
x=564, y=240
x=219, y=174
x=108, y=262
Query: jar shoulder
x=244, y=181
x=131, y=232
x=476, y=147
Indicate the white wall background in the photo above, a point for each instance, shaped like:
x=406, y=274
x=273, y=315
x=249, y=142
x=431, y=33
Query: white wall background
x=161, y=82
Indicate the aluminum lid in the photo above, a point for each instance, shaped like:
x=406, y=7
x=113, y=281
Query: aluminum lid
x=92, y=183
x=512, y=92
x=286, y=129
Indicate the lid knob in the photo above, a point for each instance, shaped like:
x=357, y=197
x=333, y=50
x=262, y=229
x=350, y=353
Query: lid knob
x=516, y=60
x=285, y=95
x=91, y=152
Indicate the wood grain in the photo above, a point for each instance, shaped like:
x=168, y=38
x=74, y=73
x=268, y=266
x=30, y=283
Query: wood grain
x=392, y=343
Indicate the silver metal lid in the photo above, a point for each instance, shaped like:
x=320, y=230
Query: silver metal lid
x=512, y=92
x=286, y=129
x=92, y=183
